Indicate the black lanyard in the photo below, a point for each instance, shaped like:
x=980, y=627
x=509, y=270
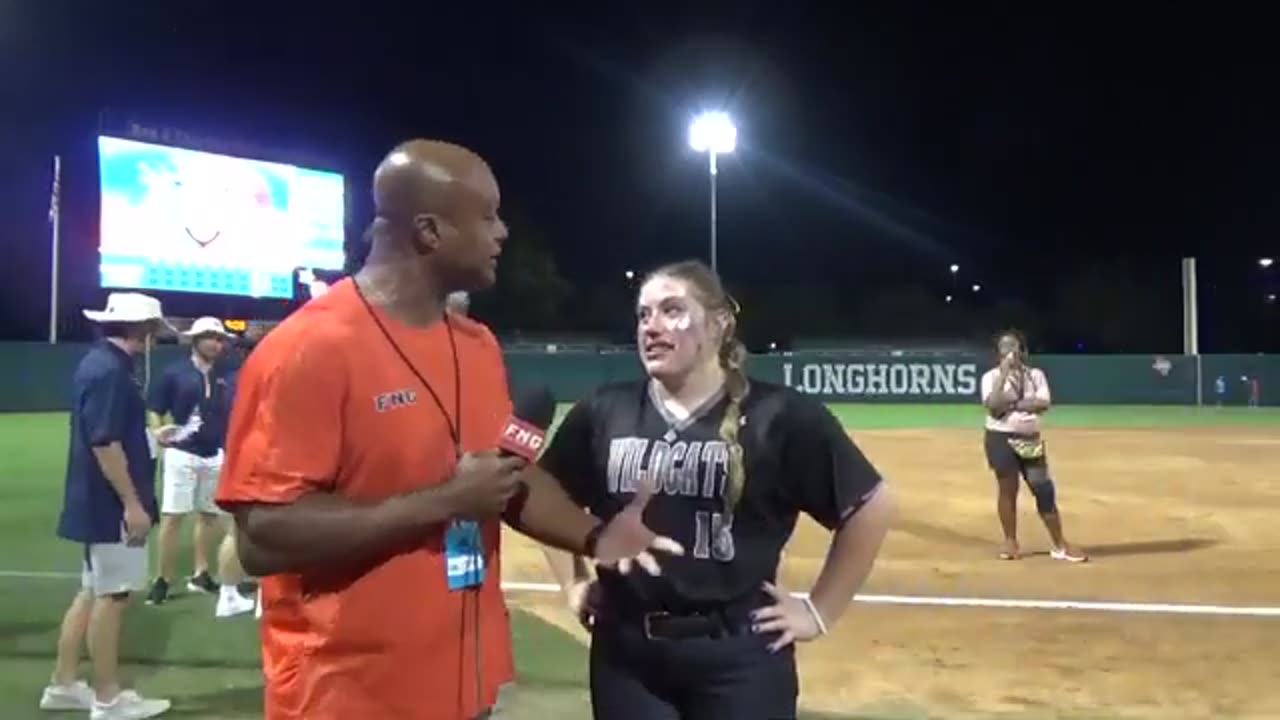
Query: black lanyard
x=455, y=432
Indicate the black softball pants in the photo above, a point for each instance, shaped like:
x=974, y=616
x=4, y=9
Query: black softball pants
x=636, y=675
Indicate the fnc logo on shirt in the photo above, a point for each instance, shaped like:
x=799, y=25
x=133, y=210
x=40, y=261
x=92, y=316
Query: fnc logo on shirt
x=394, y=399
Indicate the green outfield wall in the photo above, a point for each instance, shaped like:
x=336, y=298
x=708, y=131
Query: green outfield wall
x=38, y=375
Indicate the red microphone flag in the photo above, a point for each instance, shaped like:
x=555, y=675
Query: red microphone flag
x=522, y=439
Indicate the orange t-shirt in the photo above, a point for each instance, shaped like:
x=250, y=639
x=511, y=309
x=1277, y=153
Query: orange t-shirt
x=324, y=403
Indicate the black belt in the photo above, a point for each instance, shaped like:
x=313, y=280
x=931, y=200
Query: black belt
x=686, y=626
x=685, y=621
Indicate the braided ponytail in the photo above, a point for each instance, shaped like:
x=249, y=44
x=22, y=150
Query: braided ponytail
x=732, y=356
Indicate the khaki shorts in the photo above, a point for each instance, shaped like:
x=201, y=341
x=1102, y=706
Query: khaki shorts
x=114, y=568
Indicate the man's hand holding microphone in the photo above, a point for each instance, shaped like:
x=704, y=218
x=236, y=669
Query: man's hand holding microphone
x=484, y=483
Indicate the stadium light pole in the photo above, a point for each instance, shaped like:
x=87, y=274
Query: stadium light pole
x=713, y=133
x=55, y=239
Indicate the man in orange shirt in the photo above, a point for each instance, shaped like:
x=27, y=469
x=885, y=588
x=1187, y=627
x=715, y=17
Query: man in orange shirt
x=361, y=474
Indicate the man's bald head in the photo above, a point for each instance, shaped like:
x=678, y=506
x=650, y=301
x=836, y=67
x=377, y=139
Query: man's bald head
x=424, y=176
x=439, y=202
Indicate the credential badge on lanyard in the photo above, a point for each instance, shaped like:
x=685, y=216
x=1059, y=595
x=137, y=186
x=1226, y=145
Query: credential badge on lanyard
x=464, y=551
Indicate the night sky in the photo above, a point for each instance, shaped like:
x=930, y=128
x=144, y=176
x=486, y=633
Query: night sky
x=1064, y=160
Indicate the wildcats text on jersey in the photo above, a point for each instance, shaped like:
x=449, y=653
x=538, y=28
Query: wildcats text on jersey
x=687, y=468
x=846, y=380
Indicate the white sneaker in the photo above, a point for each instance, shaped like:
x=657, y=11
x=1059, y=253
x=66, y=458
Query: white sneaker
x=1069, y=554
x=128, y=705
x=231, y=603
x=76, y=696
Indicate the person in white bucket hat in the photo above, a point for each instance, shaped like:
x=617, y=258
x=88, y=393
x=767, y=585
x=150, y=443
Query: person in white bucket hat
x=130, y=308
x=108, y=508
x=190, y=403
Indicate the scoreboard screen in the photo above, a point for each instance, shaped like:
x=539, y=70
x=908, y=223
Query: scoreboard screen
x=182, y=220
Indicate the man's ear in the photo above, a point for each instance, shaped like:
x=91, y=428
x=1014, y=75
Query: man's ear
x=427, y=232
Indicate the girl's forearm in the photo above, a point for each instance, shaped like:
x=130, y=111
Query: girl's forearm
x=852, y=555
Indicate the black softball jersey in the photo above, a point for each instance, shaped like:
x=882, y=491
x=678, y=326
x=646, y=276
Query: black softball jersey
x=797, y=458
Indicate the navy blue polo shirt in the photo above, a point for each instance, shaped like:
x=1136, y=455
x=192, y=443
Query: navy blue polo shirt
x=181, y=390
x=107, y=407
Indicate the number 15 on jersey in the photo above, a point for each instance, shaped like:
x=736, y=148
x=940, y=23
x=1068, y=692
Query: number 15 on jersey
x=713, y=536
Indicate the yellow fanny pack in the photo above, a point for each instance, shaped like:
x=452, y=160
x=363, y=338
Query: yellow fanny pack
x=1027, y=448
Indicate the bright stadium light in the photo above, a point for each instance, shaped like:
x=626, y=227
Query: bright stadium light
x=713, y=133
x=1265, y=262
x=977, y=287
x=630, y=274
x=948, y=298
x=954, y=268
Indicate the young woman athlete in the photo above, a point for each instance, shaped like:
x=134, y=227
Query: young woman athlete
x=730, y=464
x=1016, y=395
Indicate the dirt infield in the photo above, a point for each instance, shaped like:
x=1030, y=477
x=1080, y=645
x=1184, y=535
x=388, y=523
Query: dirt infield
x=1169, y=515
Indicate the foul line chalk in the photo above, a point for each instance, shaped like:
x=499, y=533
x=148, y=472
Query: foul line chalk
x=964, y=602
x=1095, y=606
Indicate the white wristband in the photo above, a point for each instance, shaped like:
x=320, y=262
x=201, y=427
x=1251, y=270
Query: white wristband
x=817, y=616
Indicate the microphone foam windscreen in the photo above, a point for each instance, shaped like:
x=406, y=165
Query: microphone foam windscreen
x=536, y=407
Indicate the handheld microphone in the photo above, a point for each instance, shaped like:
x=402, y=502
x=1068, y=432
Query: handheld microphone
x=523, y=436
x=526, y=430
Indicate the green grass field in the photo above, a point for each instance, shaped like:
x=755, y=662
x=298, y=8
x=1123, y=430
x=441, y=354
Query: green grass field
x=210, y=669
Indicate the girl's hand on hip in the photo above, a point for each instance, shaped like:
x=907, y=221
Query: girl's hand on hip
x=789, y=616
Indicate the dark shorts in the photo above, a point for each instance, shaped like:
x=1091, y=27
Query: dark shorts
x=635, y=676
x=1004, y=462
